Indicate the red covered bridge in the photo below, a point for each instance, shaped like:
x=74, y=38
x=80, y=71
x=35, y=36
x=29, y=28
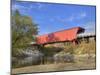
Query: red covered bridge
x=60, y=36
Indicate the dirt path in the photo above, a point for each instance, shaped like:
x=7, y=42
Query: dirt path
x=55, y=67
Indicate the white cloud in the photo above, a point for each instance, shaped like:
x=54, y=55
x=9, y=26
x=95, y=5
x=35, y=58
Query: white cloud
x=77, y=16
x=23, y=8
x=16, y=6
x=30, y=7
x=90, y=27
x=72, y=17
x=36, y=6
x=39, y=5
x=81, y=15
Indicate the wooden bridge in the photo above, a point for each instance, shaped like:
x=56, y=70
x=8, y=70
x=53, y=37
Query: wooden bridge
x=69, y=35
x=73, y=35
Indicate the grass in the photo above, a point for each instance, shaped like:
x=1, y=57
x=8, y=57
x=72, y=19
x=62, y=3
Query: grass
x=86, y=48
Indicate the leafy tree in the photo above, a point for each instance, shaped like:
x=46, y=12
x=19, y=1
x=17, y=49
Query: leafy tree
x=22, y=30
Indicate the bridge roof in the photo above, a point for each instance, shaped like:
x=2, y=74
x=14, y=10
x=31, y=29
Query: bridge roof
x=59, y=36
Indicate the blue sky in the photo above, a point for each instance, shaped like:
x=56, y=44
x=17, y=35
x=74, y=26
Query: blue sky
x=52, y=17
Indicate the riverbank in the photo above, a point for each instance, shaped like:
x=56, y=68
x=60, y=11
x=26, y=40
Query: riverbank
x=89, y=64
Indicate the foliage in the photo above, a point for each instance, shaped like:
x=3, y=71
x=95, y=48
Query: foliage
x=22, y=30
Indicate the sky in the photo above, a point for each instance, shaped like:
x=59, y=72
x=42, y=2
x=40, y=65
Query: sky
x=52, y=17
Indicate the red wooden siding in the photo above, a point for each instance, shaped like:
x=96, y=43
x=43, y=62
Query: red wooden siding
x=64, y=35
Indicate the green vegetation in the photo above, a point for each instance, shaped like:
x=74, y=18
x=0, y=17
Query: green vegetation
x=22, y=30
